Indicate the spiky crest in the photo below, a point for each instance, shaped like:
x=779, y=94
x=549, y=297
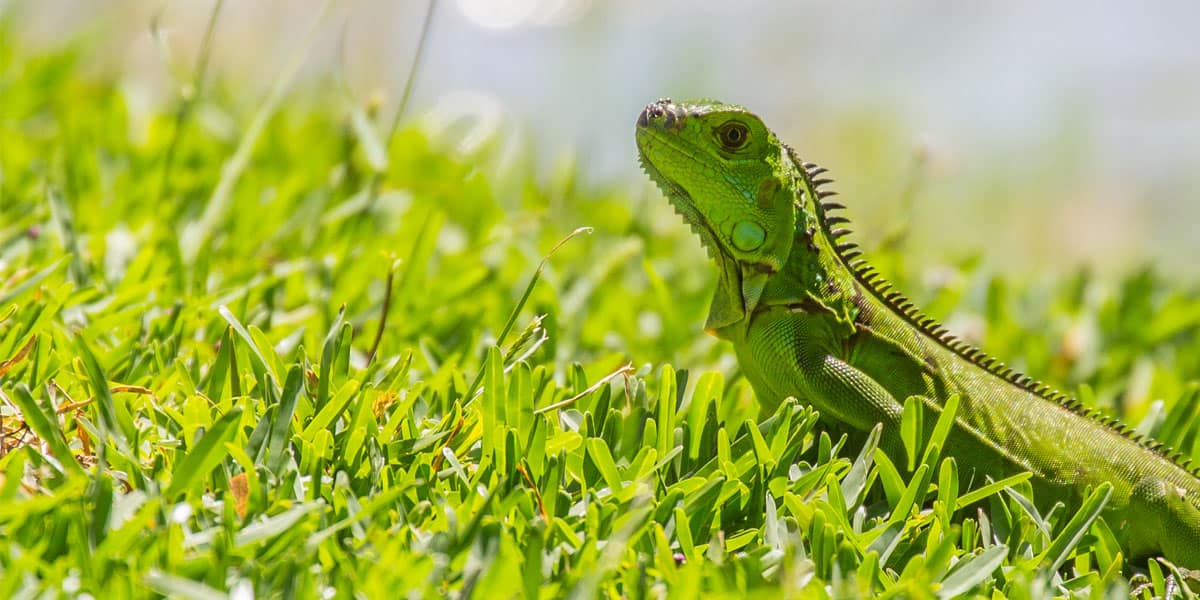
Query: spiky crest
x=849, y=254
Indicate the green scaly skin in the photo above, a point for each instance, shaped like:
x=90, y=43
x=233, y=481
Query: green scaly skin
x=808, y=319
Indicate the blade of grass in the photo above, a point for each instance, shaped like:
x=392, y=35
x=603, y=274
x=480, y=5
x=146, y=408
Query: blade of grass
x=44, y=424
x=1066, y=541
x=30, y=282
x=205, y=455
x=512, y=316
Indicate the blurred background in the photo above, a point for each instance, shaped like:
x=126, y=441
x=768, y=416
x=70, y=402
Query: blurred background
x=1037, y=136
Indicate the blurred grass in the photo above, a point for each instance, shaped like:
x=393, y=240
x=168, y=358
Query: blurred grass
x=193, y=416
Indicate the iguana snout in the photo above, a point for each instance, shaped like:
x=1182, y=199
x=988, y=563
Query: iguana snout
x=671, y=114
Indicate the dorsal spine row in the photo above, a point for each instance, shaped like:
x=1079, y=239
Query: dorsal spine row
x=850, y=256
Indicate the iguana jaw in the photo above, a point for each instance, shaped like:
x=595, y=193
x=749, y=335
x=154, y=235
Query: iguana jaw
x=681, y=201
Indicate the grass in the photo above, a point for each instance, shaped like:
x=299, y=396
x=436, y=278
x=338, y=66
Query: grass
x=200, y=402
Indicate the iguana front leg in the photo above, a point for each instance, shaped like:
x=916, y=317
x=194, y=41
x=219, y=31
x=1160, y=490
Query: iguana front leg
x=794, y=353
x=856, y=380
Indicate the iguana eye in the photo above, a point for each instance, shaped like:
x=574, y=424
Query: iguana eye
x=733, y=135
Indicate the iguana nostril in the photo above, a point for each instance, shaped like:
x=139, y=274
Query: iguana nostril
x=671, y=114
x=652, y=111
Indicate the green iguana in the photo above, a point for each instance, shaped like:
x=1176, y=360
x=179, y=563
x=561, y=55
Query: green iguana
x=810, y=319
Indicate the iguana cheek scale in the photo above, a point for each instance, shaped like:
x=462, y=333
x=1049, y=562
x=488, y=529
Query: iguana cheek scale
x=808, y=318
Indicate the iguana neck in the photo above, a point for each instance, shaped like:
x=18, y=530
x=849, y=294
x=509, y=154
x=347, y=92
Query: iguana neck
x=814, y=272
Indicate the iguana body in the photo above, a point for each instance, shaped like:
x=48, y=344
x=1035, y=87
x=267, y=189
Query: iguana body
x=808, y=318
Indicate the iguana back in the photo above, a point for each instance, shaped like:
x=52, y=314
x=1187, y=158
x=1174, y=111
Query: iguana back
x=809, y=318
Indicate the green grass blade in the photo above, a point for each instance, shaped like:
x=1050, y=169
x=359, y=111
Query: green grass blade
x=202, y=458
x=972, y=571
x=1072, y=533
x=44, y=424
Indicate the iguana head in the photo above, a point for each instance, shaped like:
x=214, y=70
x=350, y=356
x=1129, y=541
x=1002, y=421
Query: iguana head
x=732, y=181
